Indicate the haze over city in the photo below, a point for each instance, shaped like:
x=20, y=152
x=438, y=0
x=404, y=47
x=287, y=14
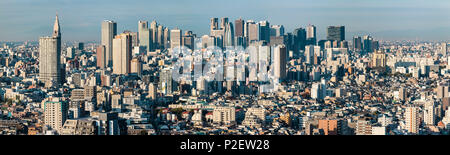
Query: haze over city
x=387, y=20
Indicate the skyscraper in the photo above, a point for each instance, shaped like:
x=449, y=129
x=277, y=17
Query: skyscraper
x=253, y=31
x=311, y=35
x=175, y=38
x=239, y=28
x=166, y=39
x=276, y=30
x=109, y=30
x=367, y=44
x=160, y=40
x=154, y=35
x=357, y=43
x=264, y=31
x=188, y=40
x=310, y=31
x=299, y=39
x=279, y=62
x=122, y=54
x=145, y=40
x=223, y=23
x=100, y=51
x=50, y=56
x=336, y=33
x=229, y=35
x=214, y=24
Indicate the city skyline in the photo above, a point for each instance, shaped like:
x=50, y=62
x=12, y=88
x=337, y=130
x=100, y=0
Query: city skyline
x=253, y=77
x=399, y=20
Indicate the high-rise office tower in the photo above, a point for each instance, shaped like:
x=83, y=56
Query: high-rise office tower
x=188, y=40
x=264, y=33
x=246, y=27
x=160, y=37
x=166, y=38
x=299, y=39
x=134, y=36
x=55, y=113
x=279, y=62
x=142, y=25
x=239, y=28
x=223, y=23
x=175, y=38
x=109, y=30
x=311, y=35
x=276, y=30
x=214, y=24
x=253, y=31
x=310, y=31
x=336, y=33
x=154, y=35
x=229, y=35
x=357, y=43
x=367, y=44
x=145, y=40
x=50, y=56
x=100, y=51
x=80, y=46
x=412, y=119
x=122, y=54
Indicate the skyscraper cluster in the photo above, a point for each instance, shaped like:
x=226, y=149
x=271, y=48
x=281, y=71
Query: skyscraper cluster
x=279, y=82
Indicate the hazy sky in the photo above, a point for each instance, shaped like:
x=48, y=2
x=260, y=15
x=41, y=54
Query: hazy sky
x=80, y=19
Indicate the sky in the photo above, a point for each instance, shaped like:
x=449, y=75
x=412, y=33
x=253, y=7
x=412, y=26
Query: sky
x=80, y=20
